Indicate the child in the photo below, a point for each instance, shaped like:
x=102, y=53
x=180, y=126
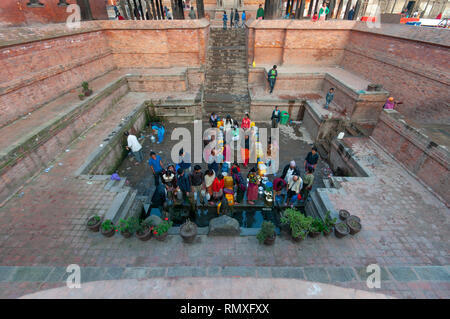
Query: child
x=329, y=98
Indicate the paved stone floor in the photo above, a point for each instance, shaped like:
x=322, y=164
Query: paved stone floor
x=405, y=231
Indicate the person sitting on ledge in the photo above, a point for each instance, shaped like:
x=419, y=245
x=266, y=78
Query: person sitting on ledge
x=390, y=104
x=217, y=187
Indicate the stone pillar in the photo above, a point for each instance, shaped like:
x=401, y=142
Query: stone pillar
x=339, y=9
x=364, y=8
x=161, y=9
x=300, y=10
x=331, y=6
x=200, y=9
x=271, y=9
x=347, y=9
x=124, y=10
x=357, y=7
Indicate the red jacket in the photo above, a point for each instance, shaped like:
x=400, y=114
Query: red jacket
x=218, y=185
x=245, y=123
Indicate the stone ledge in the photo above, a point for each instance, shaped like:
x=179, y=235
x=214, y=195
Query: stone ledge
x=397, y=122
x=19, y=35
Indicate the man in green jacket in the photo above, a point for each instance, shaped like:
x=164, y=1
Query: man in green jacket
x=323, y=12
x=272, y=77
x=260, y=13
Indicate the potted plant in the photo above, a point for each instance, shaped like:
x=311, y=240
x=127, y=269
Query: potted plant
x=127, y=227
x=188, y=231
x=341, y=230
x=107, y=228
x=81, y=96
x=143, y=231
x=267, y=233
x=94, y=222
x=343, y=214
x=353, y=225
x=328, y=224
x=317, y=227
x=86, y=90
x=160, y=231
x=298, y=223
x=354, y=217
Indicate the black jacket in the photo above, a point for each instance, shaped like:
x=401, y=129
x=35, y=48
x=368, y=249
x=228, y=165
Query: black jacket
x=273, y=115
x=159, y=196
x=285, y=169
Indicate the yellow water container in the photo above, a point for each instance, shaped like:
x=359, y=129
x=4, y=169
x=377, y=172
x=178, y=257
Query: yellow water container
x=228, y=182
x=230, y=199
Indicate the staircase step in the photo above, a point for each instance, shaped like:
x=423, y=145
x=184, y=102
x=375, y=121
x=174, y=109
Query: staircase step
x=117, y=206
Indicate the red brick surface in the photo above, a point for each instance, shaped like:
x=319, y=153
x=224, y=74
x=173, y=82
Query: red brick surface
x=411, y=64
x=414, y=151
x=16, y=12
x=41, y=63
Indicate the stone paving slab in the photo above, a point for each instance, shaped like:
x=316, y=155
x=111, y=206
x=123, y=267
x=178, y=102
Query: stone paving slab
x=316, y=274
x=401, y=284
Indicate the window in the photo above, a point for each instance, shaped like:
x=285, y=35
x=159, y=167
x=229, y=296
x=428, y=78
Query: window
x=62, y=3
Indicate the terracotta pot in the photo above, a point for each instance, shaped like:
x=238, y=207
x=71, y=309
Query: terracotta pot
x=341, y=230
x=270, y=240
x=87, y=92
x=144, y=236
x=353, y=225
x=343, y=214
x=108, y=233
x=94, y=227
x=327, y=233
x=161, y=237
x=354, y=217
x=126, y=234
x=297, y=239
x=314, y=234
x=188, y=236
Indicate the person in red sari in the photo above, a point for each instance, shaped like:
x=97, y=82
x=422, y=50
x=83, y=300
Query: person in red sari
x=253, y=182
x=245, y=125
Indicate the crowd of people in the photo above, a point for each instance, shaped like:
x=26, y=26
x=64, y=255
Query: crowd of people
x=223, y=179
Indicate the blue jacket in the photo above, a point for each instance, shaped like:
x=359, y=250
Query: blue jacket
x=225, y=18
x=243, y=16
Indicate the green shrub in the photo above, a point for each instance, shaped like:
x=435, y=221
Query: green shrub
x=93, y=220
x=300, y=224
x=128, y=226
x=163, y=227
x=107, y=225
x=267, y=231
x=85, y=86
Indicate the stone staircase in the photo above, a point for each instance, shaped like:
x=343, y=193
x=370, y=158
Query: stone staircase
x=318, y=205
x=226, y=80
x=125, y=203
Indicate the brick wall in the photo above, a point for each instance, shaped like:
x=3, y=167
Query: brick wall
x=41, y=63
x=17, y=13
x=411, y=63
x=414, y=68
x=427, y=160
